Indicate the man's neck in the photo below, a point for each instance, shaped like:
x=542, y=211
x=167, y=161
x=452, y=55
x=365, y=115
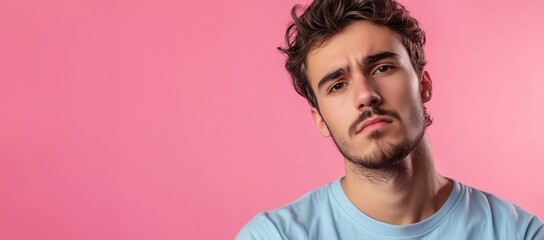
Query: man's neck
x=414, y=192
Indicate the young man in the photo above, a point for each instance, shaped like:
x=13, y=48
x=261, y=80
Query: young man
x=360, y=64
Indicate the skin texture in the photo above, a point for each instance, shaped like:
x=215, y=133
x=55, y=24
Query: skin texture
x=389, y=169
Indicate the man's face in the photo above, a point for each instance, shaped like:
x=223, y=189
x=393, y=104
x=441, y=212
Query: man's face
x=369, y=95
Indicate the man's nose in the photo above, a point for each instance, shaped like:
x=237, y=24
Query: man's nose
x=366, y=94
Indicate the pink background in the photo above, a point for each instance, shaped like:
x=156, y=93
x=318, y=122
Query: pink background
x=172, y=119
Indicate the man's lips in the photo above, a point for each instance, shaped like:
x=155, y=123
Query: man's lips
x=373, y=122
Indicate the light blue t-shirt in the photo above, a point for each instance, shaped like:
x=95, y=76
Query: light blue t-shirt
x=326, y=213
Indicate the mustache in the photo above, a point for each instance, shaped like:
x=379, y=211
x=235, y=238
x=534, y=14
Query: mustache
x=369, y=113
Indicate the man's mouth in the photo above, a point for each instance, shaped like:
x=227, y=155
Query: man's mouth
x=373, y=123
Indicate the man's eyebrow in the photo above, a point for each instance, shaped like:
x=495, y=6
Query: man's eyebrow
x=378, y=56
x=330, y=76
x=367, y=60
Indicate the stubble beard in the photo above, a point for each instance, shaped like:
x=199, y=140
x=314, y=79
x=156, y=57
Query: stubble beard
x=385, y=161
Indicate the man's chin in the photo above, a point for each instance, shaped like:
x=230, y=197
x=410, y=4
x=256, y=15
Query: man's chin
x=384, y=154
x=375, y=164
x=376, y=135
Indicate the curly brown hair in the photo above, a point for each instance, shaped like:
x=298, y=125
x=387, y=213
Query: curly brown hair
x=324, y=18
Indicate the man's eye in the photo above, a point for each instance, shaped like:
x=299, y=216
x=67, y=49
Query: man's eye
x=337, y=86
x=383, y=69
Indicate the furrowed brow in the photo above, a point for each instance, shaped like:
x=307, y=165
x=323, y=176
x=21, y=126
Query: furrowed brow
x=367, y=60
x=330, y=76
x=377, y=57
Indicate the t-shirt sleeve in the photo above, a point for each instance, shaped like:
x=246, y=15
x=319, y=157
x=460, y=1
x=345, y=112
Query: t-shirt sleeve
x=259, y=228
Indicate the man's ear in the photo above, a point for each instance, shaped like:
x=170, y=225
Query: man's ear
x=426, y=86
x=320, y=123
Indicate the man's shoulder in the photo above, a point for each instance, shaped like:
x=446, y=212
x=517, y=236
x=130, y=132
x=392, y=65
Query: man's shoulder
x=305, y=206
x=500, y=214
x=492, y=204
x=273, y=223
